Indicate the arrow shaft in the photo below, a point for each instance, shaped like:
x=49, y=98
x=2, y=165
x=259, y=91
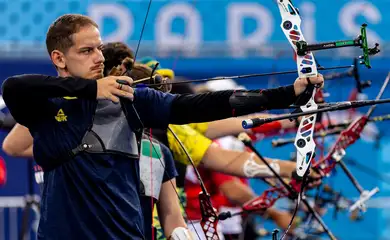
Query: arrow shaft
x=250, y=123
x=245, y=76
x=336, y=129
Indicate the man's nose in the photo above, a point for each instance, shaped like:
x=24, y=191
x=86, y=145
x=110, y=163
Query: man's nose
x=99, y=57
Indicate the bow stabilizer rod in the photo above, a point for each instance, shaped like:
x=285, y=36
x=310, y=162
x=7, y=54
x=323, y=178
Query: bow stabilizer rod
x=255, y=122
x=336, y=129
x=285, y=141
x=361, y=41
x=242, y=76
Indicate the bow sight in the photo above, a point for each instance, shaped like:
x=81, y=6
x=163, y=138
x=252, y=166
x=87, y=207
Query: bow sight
x=361, y=41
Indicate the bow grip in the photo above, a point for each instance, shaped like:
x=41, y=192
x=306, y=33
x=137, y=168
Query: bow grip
x=304, y=97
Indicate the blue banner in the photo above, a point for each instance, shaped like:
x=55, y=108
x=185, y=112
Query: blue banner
x=231, y=28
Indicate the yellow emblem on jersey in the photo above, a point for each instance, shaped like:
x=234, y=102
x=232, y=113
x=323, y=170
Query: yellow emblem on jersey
x=70, y=98
x=61, y=117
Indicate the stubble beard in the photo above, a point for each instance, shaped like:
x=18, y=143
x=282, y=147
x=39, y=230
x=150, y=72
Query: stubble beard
x=97, y=76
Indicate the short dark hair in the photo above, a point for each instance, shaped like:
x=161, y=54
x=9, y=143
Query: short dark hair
x=59, y=35
x=114, y=53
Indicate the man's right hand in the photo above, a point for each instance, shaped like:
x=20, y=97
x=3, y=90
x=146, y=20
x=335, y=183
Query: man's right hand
x=108, y=88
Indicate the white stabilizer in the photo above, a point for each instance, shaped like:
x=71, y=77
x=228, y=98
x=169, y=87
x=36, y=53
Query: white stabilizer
x=364, y=197
x=181, y=233
x=252, y=169
x=338, y=155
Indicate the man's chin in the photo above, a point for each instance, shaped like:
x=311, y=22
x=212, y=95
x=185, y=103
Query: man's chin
x=96, y=76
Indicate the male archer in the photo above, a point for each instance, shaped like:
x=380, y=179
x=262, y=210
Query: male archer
x=90, y=157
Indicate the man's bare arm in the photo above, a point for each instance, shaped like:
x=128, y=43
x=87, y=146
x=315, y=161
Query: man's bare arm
x=233, y=163
x=233, y=126
x=19, y=142
x=168, y=208
x=237, y=192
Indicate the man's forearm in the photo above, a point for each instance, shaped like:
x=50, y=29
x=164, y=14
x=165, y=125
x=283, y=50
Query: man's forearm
x=280, y=217
x=243, y=164
x=286, y=167
x=168, y=208
x=172, y=221
x=224, y=104
x=27, y=153
x=233, y=126
x=19, y=142
x=237, y=192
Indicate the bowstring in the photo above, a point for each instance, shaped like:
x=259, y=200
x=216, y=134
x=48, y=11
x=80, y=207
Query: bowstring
x=176, y=138
x=154, y=149
x=201, y=183
x=173, y=186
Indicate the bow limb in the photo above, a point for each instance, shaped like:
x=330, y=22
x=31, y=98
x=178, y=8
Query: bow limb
x=246, y=76
x=307, y=67
x=210, y=218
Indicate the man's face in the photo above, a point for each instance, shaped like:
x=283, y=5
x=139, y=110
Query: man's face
x=85, y=58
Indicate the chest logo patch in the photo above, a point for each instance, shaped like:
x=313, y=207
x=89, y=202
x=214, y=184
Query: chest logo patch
x=61, y=117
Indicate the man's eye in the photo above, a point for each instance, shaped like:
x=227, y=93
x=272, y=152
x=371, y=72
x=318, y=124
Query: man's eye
x=86, y=51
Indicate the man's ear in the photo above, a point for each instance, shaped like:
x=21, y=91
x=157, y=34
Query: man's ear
x=58, y=59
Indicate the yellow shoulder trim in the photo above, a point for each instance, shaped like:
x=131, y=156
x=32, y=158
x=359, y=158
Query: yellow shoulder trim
x=200, y=127
x=195, y=143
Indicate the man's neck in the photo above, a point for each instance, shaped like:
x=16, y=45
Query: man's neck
x=61, y=73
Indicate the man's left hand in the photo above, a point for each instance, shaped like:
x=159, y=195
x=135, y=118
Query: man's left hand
x=300, y=84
